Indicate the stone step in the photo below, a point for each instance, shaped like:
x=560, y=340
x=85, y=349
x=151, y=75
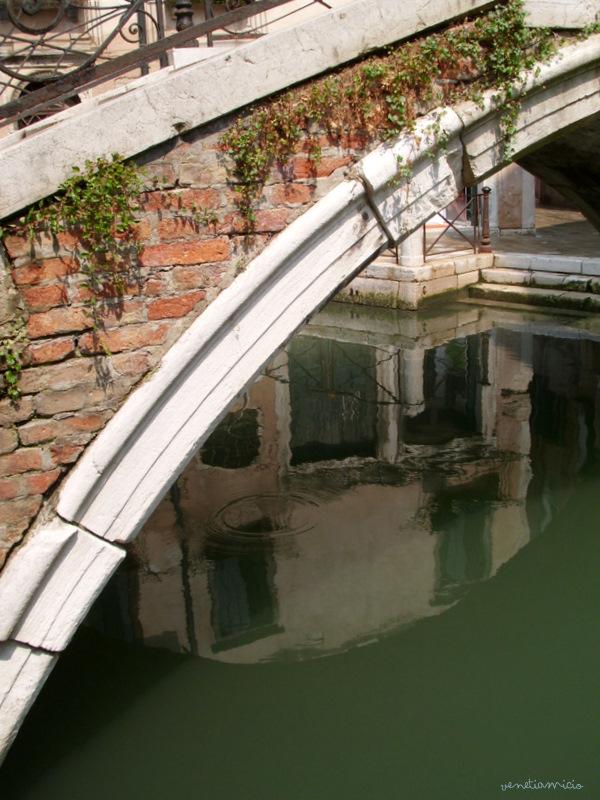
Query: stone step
x=542, y=280
x=537, y=262
x=527, y=295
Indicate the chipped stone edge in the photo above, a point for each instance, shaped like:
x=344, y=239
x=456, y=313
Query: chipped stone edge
x=23, y=672
x=46, y=590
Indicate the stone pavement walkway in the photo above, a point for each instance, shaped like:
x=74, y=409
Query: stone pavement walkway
x=558, y=232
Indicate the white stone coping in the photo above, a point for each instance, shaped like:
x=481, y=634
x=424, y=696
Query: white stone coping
x=158, y=107
x=521, y=277
x=451, y=264
x=562, y=299
x=23, y=671
x=562, y=13
x=548, y=263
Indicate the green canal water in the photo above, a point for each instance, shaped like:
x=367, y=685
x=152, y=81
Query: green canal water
x=378, y=579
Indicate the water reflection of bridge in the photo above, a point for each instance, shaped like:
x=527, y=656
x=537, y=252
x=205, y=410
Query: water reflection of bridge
x=382, y=465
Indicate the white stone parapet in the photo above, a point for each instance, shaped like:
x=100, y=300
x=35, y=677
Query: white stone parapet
x=562, y=13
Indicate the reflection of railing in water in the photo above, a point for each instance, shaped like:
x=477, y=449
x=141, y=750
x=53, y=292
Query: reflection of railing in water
x=477, y=208
x=46, y=63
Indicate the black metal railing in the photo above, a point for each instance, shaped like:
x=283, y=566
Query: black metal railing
x=476, y=209
x=52, y=50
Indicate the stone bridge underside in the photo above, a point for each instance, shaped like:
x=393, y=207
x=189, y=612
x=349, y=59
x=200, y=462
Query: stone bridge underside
x=80, y=534
x=571, y=164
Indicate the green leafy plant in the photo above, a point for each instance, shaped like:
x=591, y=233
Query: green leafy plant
x=590, y=30
x=12, y=343
x=97, y=204
x=383, y=95
x=405, y=169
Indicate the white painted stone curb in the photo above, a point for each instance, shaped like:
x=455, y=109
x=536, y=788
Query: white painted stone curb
x=23, y=672
x=564, y=264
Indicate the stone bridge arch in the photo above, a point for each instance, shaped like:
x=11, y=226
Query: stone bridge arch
x=50, y=582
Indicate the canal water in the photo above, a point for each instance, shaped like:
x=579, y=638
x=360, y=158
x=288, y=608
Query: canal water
x=377, y=579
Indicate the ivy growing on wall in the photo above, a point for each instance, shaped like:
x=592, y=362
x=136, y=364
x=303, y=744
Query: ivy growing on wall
x=97, y=204
x=382, y=96
x=11, y=346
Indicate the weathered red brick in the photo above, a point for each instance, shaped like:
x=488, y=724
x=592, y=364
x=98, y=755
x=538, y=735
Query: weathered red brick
x=142, y=230
x=17, y=245
x=202, y=172
x=178, y=228
x=38, y=430
x=50, y=402
x=293, y=193
x=233, y=223
x=8, y=440
x=130, y=337
x=67, y=375
x=11, y=487
x=199, y=252
x=306, y=168
x=131, y=363
x=52, y=350
x=65, y=453
x=68, y=241
x=181, y=199
x=156, y=286
x=16, y=412
x=39, y=483
x=84, y=422
x=30, y=458
x=271, y=220
x=174, y=306
x=39, y=298
x=44, y=430
x=58, y=320
x=10, y=536
x=28, y=484
x=192, y=277
x=20, y=512
x=123, y=312
x=47, y=270
x=160, y=174
x=81, y=294
x=201, y=198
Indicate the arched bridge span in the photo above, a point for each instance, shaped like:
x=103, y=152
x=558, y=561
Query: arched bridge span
x=50, y=582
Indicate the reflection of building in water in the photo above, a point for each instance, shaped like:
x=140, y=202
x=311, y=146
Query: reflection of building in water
x=364, y=483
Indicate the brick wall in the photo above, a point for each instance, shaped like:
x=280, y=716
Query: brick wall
x=70, y=387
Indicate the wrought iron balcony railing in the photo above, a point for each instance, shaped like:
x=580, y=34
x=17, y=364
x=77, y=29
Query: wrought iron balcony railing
x=53, y=50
